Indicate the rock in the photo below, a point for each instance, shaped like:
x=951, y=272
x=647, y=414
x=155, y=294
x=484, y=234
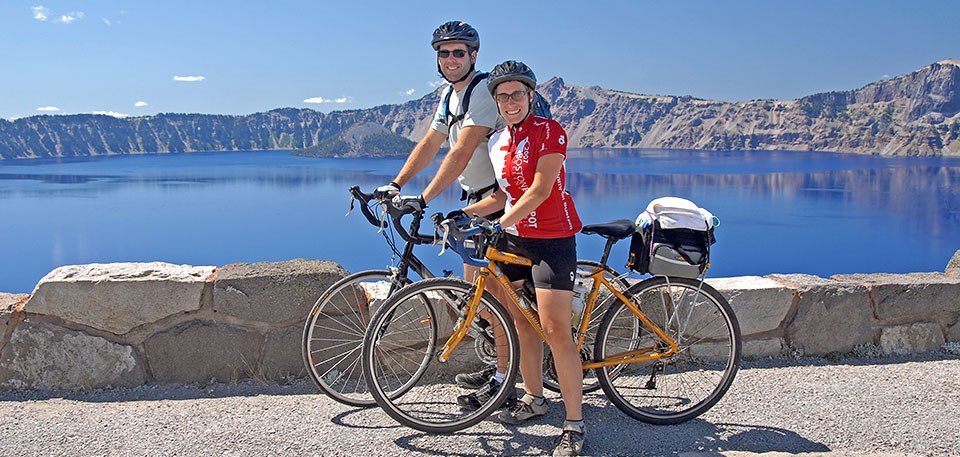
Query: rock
x=953, y=266
x=46, y=356
x=766, y=347
x=761, y=304
x=912, y=294
x=10, y=313
x=831, y=316
x=273, y=292
x=953, y=332
x=906, y=339
x=283, y=354
x=118, y=297
x=197, y=352
x=9, y=301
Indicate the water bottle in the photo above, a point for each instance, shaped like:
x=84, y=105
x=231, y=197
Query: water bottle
x=527, y=299
x=643, y=221
x=580, y=293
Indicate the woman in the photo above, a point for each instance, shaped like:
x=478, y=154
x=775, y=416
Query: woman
x=540, y=222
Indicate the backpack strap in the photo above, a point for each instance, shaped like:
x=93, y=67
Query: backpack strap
x=465, y=103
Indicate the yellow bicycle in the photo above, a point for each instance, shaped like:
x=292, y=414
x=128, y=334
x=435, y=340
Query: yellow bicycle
x=665, y=352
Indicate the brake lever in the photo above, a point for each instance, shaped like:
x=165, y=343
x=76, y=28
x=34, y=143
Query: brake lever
x=383, y=217
x=443, y=244
x=352, y=198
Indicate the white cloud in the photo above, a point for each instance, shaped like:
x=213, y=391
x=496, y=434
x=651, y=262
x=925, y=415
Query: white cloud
x=436, y=84
x=189, y=78
x=70, y=17
x=41, y=13
x=410, y=91
x=111, y=113
x=106, y=21
x=48, y=108
x=140, y=103
x=328, y=100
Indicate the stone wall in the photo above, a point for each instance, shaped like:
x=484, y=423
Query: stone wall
x=127, y=324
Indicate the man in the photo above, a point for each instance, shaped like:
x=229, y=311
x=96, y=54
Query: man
x=457, y=44
x=467, y=124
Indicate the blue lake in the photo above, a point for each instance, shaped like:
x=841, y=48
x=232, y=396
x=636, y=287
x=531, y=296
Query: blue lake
x=781, y=212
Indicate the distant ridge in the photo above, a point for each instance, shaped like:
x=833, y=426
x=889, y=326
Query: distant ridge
x=363, y=139
x=916, y=114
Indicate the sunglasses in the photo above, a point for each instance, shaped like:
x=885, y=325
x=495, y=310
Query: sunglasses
x=458, y=53
x=517, y=96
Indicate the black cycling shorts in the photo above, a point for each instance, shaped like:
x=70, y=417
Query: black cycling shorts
x=554, y=261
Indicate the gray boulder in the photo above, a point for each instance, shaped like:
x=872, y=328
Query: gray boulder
x=42, y=355
x=119, y=297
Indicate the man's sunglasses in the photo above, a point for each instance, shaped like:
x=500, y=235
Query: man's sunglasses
x=458, y=53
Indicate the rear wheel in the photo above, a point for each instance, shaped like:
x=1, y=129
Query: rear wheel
x=682, y=386
x=403, y=344
x=333, y=335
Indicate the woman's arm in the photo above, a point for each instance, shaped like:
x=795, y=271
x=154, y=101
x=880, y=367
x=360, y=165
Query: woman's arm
x=495, y=202
x=548, y=169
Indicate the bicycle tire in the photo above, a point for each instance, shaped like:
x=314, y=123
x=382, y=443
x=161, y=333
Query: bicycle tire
x=400, y=353
x=590, y=383
x=333, y=335
x=681, y=387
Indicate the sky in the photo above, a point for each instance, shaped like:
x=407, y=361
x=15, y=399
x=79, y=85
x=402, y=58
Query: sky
x=137, y=58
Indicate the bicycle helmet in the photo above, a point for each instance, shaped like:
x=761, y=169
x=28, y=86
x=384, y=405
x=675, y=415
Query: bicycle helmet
x=456, y=32
x=511, y=70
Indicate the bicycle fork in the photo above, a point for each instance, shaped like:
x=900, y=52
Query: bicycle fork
x=463, y=322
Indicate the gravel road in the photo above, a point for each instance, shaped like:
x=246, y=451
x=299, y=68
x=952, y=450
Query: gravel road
x=889, y=406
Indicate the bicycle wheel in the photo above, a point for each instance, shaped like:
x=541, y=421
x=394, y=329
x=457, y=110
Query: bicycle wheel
x=590, y=384
x=333, y=335
x=401, y=353
x=683, y=386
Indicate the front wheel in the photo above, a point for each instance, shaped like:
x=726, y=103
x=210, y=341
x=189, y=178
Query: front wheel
x=402, y=349
x=682, y=386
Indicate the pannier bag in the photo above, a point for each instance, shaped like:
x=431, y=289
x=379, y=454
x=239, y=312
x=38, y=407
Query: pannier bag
x=673, y=238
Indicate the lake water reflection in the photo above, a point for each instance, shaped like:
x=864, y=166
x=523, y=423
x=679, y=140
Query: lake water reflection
x=781, y=212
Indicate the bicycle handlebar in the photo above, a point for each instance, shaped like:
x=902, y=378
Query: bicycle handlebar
x=480, y=233
x=396, y=213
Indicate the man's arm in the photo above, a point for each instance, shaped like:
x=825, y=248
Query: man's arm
x=421, y=156
x=455, y=161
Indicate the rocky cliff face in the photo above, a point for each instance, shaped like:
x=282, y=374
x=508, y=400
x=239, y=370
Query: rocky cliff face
x=913, y=114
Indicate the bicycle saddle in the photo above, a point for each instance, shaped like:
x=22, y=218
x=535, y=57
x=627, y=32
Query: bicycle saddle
x=618, y=229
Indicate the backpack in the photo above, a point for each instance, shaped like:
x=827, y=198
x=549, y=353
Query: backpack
x=541, y=108
x=673, y=238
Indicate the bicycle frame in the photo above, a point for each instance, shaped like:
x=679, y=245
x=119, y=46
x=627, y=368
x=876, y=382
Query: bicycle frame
x=495, y=255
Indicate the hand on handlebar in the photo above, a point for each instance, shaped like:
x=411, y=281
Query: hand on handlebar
x=491, y=228
x=387, y=191
x=414, y=203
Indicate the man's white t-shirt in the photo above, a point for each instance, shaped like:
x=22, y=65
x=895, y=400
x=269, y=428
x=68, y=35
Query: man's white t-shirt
x=483, y=112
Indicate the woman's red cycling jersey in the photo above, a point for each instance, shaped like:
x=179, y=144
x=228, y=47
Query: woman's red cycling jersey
x=514, y=152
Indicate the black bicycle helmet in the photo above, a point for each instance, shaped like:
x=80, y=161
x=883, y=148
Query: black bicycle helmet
x=511, y=70
x=456, y=32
